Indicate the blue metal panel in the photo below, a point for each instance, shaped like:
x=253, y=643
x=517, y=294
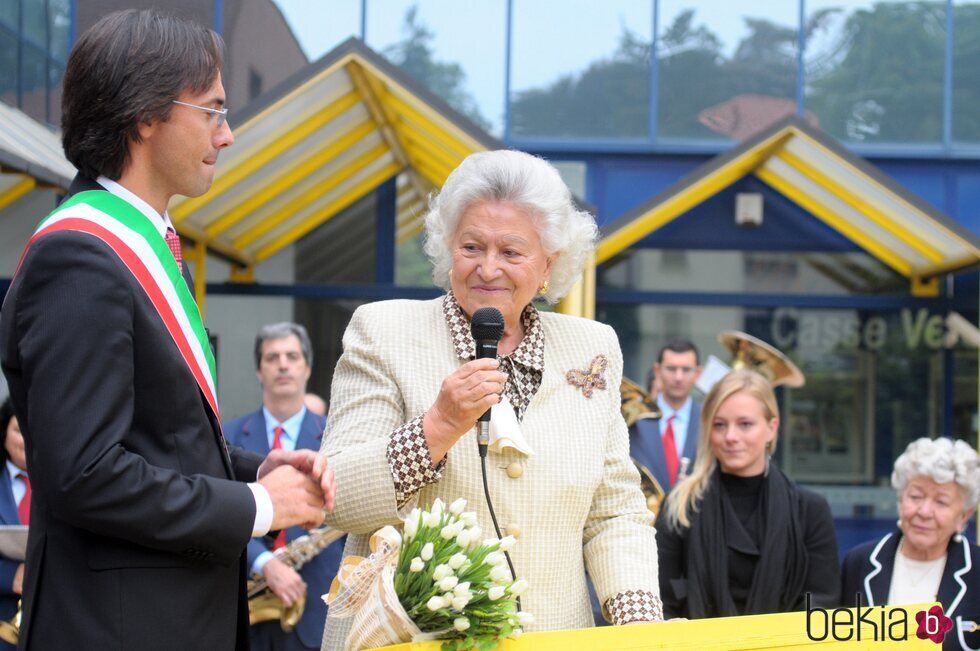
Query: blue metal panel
x=966, y=207
x=785, y=227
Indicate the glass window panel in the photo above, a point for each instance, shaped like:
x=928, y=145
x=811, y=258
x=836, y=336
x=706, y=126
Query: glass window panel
x=8, y=71
x=321, y=26
x=35, y=22
x=727, y=69
x=8, y=12
x=33, y=76
x=586, y=74
x=433, y=40
x=753, y=272
x=874, y=70
x=872, y=384
x=59, y=23
x=966, y=71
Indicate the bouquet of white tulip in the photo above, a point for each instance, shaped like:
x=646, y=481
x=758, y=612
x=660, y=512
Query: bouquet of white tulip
x=449, y=583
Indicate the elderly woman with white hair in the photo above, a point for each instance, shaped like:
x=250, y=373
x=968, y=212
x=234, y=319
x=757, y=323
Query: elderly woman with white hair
x=928, y=558
x=407, y=393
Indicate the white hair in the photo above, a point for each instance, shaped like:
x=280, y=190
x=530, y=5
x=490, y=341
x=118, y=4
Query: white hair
x=532, y=184
x=942, y=460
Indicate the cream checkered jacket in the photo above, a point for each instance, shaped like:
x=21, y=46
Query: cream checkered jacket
x=577, y=504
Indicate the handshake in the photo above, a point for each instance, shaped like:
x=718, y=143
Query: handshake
x=300, y=484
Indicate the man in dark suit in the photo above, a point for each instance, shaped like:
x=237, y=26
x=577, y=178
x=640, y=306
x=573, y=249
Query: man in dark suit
x=283, y=362
x=140, y=512
x=663, y=445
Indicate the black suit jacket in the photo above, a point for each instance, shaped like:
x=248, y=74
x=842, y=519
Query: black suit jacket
x=138, y=526
x=867, y=570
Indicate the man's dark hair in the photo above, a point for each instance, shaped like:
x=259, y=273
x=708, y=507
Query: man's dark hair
x=281, y=331
x=126, y=70
x=679, y=346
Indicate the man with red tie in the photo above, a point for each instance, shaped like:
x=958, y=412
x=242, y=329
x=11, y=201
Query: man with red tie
x=284, y=362
x=15, y=508
x=663, y=445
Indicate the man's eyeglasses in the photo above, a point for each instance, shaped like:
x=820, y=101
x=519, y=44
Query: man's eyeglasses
x=221, y=113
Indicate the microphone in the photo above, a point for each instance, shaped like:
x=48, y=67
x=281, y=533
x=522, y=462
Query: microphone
x=487, y=328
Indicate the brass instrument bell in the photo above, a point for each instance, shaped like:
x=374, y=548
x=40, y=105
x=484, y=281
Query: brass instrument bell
x=636, y=403
x=756, y=355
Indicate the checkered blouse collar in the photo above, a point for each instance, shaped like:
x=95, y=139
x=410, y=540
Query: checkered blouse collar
x=529, y=353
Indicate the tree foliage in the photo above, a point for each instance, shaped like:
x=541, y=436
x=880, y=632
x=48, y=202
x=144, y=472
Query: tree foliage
x=414, y=55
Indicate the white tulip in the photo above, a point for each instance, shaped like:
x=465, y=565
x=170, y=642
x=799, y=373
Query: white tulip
x=462, y=589
x=526, y=619
x=516, y=633
x=518, y=587
x=435, y=603
x=458, y=506
x=448, y=532
x=417, y=565
x=431, y=520
x=463, y=539
x=500, y=574
x=460, y=602
x=475, y=534
x=507, y=543
x=469, y=518
x=461, y=624
x=496, y=592
x=427, y=551
x=448, y=583
x=441, y=572
x=438, y=507
x=496, y=558
x=411, y=528
x=490, y=542
x=457, y=560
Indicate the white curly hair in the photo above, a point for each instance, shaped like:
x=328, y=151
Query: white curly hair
x=532, y=184
x=942, y=460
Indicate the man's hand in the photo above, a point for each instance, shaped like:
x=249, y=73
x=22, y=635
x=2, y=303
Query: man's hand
x=284, y=581
x=296, y=498
x=18, y=584
x=308, y=462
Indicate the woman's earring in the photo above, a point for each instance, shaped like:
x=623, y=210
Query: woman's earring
x=544, y=287
x=898, y=523
x=958, y=538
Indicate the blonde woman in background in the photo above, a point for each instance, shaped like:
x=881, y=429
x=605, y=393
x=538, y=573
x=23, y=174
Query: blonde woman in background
x=737, y=536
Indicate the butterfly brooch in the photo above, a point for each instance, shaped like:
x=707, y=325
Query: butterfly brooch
x=591, y=379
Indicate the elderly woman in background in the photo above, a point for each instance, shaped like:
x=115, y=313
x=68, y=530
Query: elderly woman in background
x=14, y=489
x=928, y=558
x=407, y=392
x=737, y=536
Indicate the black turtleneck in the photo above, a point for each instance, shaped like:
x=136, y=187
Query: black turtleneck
x=744, y=527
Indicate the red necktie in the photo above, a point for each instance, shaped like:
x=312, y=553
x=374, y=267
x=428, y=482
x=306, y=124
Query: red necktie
x=280, y=540
x=24, y=508
x=670, y=451
x=173, y=241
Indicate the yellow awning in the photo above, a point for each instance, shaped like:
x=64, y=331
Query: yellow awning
x=30, y=157
x=835, y=186
x=324, y=139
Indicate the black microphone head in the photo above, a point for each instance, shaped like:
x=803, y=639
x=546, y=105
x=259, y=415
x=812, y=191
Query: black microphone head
x=487, y=324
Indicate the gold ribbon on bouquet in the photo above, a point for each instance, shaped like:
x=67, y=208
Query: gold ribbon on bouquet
x=357, y=574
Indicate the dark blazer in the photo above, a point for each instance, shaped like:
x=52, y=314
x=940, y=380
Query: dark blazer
x=867, y=570
x=138, y=525
x=249, y=433
x=8, y=566
x=822, y=579
x=646, y=445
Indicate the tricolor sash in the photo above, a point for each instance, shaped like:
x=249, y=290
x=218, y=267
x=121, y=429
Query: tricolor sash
x=137, y=242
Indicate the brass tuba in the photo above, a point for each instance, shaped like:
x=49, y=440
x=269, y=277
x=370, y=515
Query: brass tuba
x=635, y=404
x=263, y=604
x=756, y=355
x=10, y=629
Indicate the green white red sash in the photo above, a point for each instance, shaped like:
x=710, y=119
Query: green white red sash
x=137, y=242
